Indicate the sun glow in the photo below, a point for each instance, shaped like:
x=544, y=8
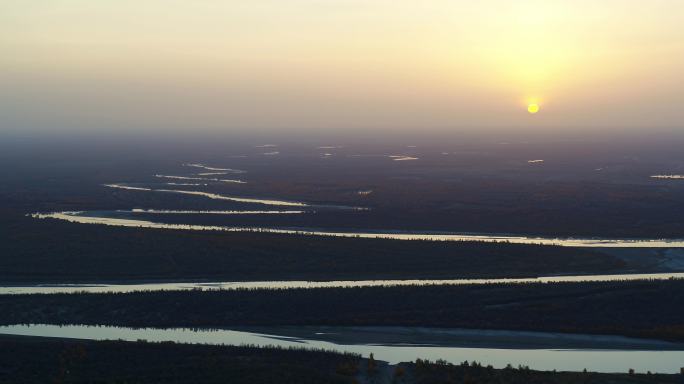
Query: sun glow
x=441, y=64
x=533, y=108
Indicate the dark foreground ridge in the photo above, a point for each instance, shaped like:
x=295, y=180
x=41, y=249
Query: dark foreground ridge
x=36, y=360
x=650, y=309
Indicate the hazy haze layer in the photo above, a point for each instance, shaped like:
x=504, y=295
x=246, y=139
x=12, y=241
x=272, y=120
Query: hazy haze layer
x=312, y=65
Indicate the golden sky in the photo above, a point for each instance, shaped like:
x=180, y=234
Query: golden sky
x=341, y=64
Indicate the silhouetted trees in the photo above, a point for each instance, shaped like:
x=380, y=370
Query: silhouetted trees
x=53, y=251
x=597, y=307
x=36, y=360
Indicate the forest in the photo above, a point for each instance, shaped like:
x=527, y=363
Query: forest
x=648, y=309
x=32, y=360
x=35, y=360
x=42, y=251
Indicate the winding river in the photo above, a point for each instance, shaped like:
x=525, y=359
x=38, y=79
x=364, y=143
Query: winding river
x=112, y=218
x=537, y=350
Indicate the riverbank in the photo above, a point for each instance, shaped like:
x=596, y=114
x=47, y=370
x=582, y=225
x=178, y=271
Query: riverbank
x=51, y=251
x=614, y=307
x=123, y=287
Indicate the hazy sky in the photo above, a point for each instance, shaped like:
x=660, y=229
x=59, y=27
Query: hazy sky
x=279, y=65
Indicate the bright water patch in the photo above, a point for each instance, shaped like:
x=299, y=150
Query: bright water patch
x=402, y=158
x=202, y=166
x=80, y=217
x=232, y=285
x=214, y=196
x=200, y=178
x=189, y=212
x=659, y=361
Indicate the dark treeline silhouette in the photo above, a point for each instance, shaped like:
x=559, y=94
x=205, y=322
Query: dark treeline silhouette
x=54, y=251
x=652, y=309
x=441, y=372
x=31, y=360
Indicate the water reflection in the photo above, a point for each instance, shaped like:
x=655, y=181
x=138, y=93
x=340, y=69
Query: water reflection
x=231, y=285
x=191, y=212
x=200, y=178
x=542, y=359
x=402, y=158
x=80, y=217
x=207, y=168
x=214, y=196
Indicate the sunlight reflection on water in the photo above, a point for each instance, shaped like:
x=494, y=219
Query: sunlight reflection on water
x=542, y=359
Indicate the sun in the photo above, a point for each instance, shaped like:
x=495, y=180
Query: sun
x=533, y=108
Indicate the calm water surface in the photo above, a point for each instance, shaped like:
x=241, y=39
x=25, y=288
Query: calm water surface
x=543, y=359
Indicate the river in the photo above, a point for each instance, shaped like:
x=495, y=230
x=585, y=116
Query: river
x=90, y=218
x=552, y=351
